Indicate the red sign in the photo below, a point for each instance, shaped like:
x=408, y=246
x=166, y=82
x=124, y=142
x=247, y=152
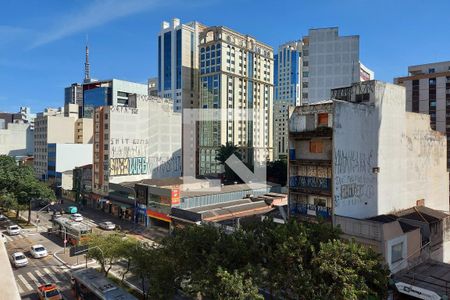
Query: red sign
x=158, y=215
x=175, y=195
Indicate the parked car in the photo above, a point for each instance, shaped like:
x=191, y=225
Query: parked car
x=49, y=292
x=71, y=210
x=107, y=225
x=76, y=217
x=38, y=251
x=18, y=259
x=13, y=230
x=3, y=218
x=56, y=215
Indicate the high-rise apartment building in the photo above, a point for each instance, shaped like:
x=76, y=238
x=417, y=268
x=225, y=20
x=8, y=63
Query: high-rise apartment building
x=178, y=63
x=428, y=92
x=140, y=141
x=236, y=76
x=306, y=70
x=287, y=92
x=53, y=126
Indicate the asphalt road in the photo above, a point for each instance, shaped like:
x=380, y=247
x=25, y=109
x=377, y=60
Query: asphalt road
x=38, y=271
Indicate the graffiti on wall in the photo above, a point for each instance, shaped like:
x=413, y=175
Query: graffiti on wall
x=144, y=165
x=127, y=166
x=354, y=183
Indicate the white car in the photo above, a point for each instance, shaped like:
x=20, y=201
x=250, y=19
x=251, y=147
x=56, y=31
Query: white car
x=18, y=259
x=13, y=230
x=38, y=251
x=107, y=225
x=76, y=217
x=3, y=218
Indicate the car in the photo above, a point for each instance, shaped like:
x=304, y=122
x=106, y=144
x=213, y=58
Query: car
x=3, y=218
x=49, y=292
x=18, y=259
x=38, y=251
x=13, y=230
x=76, y=217
x=56, y=215
x=71, y=210
x=107, y=225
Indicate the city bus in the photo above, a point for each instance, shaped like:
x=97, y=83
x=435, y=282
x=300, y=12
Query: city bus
x=71, y=230
x=90, y=284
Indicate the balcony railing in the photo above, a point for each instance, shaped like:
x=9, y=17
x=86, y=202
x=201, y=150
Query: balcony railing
x=321, y=131
x=313, y=210
x=311, y=183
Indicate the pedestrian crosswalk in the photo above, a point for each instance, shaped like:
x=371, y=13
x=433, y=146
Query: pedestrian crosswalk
x=89, y=223
x=10, y=238
x=29, y=281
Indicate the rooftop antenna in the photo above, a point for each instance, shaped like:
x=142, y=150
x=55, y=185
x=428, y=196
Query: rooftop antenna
x=87, y=67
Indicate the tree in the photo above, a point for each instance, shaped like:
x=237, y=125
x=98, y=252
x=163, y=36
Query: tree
x=224, y=152
x=21, y=185
x=107, y=250
x=347, y=270
x=235, y=286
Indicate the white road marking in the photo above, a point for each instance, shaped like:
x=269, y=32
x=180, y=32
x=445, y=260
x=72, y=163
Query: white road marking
x=61, y=273
x=52, y=276
x=37, y=282
x=27, y=285
x=41, y=276
x=21, y=291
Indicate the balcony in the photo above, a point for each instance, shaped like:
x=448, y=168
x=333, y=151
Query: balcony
x=323, y=132
x=313, y=185
x=311, y=162
x=312, y=210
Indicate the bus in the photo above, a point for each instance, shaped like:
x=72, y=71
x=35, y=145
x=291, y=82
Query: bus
x=71, y=230
x=89, y=284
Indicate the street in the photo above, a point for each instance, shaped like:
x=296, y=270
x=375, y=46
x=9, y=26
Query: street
x=56, y=267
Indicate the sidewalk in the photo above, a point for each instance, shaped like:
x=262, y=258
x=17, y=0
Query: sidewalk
x=73, y=262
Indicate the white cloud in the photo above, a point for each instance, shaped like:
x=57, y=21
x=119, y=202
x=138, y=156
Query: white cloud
x=93, y=14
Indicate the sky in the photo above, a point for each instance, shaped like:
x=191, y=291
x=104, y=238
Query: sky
x=42, y=42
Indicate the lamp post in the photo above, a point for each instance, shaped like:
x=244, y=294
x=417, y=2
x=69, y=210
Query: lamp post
x=37, y=213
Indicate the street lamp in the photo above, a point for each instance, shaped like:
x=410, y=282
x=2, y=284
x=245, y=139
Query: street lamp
x=37, y=218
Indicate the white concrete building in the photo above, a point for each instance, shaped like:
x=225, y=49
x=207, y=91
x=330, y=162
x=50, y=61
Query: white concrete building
x=16, y=139
x=178, y=63
x=361, y=155
x=53, y=127
x=306, y=70
x=236, y=76
x=428, y=92
x=63, y=158
x=138, y=142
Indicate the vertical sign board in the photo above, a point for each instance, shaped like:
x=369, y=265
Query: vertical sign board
x=175, y=195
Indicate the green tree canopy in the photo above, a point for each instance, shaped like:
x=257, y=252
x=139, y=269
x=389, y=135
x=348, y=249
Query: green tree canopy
x=18, y=182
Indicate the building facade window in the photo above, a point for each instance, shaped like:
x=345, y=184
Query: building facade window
x=396, y=253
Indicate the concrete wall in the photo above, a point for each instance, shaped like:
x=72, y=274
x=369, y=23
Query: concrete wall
x=69, y=156
x=410, y=157
x=147, y=137
x=16, y=140
x=8, y=284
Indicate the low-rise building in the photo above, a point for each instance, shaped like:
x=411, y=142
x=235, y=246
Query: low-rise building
x=156, y=198
x=16, y=139
x=361, y=154
x=62, y=159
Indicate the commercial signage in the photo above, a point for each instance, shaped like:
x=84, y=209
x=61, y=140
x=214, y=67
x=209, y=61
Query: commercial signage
x=158, y=215
x=175, y=196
